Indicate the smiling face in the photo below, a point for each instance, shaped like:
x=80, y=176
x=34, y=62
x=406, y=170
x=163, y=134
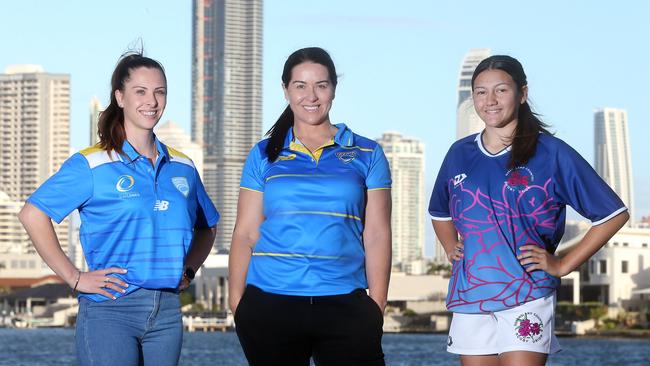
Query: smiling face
x=497, y=98
x=310, y=93
x=143, y=98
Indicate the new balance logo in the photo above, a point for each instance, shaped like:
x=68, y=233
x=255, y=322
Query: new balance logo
x=459, y=179
x=161, y=205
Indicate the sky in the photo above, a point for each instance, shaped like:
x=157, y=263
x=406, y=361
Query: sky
x=398, y=65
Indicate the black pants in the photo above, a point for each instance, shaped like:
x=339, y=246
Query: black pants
x=288, y=330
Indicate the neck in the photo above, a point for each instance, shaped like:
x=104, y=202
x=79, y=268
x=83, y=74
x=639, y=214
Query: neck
x=313, y=136
x=143, y=142
x=496, y=139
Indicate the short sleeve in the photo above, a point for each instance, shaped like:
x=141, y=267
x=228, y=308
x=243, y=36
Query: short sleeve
x=66, y=190
x=251, y=176
x=207, y=215
x=379, y=172
x=439, y=201
x=578, y=185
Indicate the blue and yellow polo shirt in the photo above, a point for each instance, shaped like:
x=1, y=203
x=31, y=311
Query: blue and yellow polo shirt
x=314, y=206
x=133, y=215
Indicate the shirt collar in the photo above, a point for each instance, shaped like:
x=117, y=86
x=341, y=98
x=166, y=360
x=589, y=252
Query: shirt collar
x=132, y=154
x=343, y=137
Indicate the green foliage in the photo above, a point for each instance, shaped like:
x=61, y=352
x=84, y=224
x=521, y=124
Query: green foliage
x=409, y=312
x=436, y=268
x=187, y=298
x=567, y=311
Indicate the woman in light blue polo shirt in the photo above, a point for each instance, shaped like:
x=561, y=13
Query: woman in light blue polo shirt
x=147, y=225
x=312, y=233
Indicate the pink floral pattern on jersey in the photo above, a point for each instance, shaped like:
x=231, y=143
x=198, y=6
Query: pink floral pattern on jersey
x=493, y=229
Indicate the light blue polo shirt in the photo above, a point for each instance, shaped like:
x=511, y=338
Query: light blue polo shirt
x=133, y=215
x=314, y=207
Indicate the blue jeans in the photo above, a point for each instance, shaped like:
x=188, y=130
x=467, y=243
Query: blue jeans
x=141, y=328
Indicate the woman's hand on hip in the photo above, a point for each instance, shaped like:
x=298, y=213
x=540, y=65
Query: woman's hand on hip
x=97, y=282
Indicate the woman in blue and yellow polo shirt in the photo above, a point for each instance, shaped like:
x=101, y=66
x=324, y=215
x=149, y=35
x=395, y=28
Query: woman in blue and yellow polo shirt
x=147, y=225
x=312, y=233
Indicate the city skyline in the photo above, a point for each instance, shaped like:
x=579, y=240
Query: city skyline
x=398, y=64
x=226, y=97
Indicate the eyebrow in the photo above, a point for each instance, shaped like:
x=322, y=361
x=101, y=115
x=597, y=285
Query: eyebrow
x=304, y=82
x=144, y=87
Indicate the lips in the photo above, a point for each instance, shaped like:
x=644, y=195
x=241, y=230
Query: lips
x=310, y=108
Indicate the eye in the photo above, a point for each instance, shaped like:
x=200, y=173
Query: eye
x=161, y=92
x=300, y=86
x=323, y=86
x=139, y=91
x=479, y=92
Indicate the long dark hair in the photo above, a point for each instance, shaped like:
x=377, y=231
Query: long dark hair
x=278, y=132
x=524, y=138
x=110, y=127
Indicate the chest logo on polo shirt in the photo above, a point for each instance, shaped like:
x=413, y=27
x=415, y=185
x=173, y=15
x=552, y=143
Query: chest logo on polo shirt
x=519, y=179
x=161, y=205
x=124, y=183
x=346, y=156
x=181, y=184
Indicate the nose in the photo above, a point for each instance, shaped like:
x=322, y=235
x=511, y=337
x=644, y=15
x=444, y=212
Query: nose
x=152, y=100
x=311, y=94
x=491, y=98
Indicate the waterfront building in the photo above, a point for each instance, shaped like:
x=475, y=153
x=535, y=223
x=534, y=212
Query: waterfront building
x=226, y=97
x=613, y=159
x=35, y=130
x=406, y=159
x=617, y=271
x=467, y=121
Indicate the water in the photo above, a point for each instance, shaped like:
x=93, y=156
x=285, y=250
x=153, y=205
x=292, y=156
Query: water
x=50, y=347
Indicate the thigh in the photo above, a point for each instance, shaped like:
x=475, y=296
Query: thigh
x=106, y=335
x=161, y=343
x=348, y=330
x=271, y=328
x=529, y=327
x=472, y=335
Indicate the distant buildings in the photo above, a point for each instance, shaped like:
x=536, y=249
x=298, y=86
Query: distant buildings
x=406, y=159
x=95, y=109
x=174, y=136
x=226, y=97
x=613, y=159
x=467, y=121
x=35, y=127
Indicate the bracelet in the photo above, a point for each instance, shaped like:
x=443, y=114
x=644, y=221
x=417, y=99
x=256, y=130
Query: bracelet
x=77, y=281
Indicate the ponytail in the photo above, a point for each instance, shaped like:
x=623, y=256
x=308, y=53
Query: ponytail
x=277, y=133
x=526, y=134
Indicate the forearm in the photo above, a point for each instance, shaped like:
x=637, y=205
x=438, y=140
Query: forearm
x=201, y=247
x=238, y=261
x=446, y=232
x=595, y=238
x=41, y=231
x=378, y=263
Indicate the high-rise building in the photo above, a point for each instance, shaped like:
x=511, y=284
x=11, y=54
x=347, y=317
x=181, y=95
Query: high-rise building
x=613, y=159
x=35, y=130
x=467, y=121
x=95, y=109
x=226, y=97
x=13, y=237
x=174, y=136
x=406, y=159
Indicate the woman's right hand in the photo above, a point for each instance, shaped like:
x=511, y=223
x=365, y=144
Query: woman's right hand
x=96, y=282
x=234, y=302
x=456, y=252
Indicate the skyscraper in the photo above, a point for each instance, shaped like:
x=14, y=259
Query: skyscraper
x=613, y=160
x=35, y=130
x=406, y=159
x=467, y=121
x=226, y=97
x=95, y=109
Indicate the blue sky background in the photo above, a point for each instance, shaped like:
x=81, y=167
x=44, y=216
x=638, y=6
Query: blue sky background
x=398, y=61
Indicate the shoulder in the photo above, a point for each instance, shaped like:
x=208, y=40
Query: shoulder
x=95, y=156
x=362, y=144
x=553, y=144
x=176, y=156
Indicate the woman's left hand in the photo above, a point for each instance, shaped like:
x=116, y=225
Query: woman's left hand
x=540, y=259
